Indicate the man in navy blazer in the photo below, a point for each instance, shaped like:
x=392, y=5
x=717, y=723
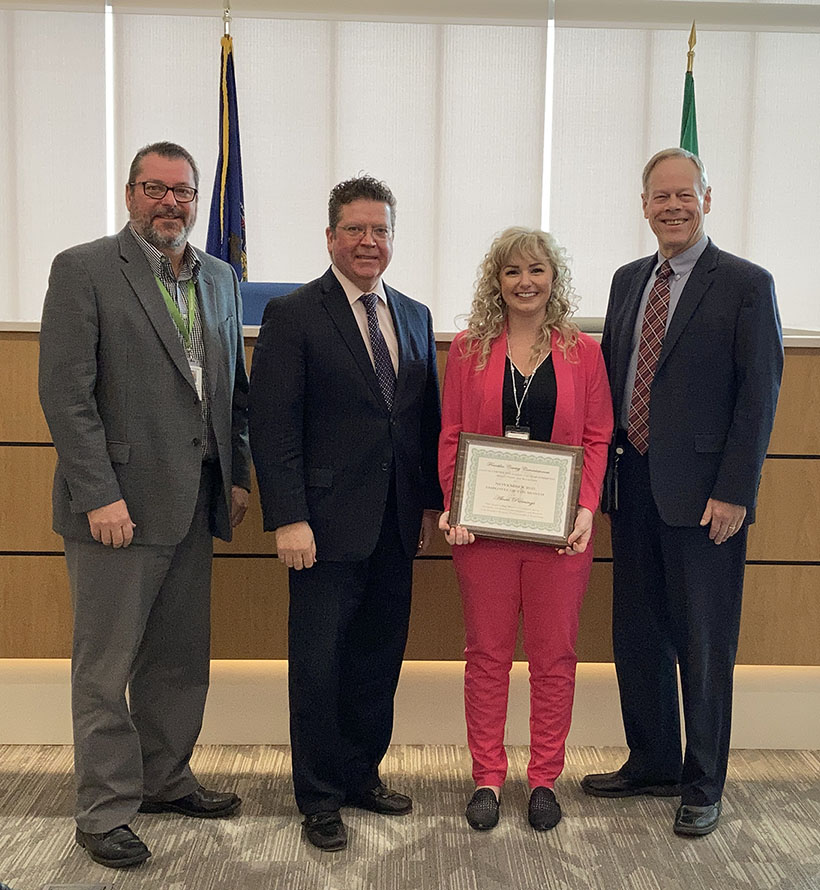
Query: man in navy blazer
x=345, y=420
x=692, y=426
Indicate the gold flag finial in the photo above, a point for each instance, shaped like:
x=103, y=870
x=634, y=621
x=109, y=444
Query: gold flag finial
x=226, y=18
x=690, y=56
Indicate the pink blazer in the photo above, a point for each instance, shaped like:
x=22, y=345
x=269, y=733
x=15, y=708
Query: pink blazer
x=472, y=402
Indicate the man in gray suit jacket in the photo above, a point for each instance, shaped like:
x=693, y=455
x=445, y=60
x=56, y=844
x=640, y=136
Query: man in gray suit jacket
x=143, y=384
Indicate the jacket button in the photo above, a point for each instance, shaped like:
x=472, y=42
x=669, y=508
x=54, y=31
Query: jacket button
x=196, y=441
x=385, y=467
x=196, y=400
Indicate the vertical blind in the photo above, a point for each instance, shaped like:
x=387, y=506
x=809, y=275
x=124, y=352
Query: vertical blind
x=450, y=115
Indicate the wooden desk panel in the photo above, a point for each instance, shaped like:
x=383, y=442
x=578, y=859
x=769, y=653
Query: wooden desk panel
x=35, y=605
x=25, y=499
x=21, y=419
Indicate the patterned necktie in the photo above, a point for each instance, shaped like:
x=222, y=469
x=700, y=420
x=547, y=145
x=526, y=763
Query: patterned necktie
x=385, y=372
x=649, y=350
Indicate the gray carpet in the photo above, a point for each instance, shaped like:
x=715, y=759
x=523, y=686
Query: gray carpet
x=769, y=838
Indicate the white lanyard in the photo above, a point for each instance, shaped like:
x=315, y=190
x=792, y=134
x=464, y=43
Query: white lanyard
x=520, y=404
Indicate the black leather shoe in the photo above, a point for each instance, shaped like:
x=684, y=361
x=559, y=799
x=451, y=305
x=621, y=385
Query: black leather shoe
x=200, y=804
x=482, y=810
x=544, y=811
x=384, y=800
x=117, y=848
x=326, y=831
x=616, y=785
x=696, y=821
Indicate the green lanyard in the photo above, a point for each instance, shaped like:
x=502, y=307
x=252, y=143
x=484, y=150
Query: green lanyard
x=183, y=328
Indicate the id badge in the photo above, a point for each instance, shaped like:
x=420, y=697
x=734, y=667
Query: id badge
x=517, y=432
x=196, y=373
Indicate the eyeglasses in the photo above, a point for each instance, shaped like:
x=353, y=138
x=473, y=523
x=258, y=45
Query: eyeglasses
x=356, y=233
x=183, y=194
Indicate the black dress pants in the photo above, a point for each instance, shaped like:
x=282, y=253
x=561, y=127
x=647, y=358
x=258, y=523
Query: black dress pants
x=347, y=629
x=676, y=598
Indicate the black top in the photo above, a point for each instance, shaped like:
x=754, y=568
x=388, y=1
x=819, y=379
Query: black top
x=538, y=408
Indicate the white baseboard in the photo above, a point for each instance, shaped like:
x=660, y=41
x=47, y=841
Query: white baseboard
x=774, y=707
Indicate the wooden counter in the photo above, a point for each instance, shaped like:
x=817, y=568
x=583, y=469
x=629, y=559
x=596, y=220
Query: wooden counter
x=781, y=612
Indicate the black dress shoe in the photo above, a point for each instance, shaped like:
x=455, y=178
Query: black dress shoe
x=482, y=810
x=696, y=821
x=201, y=804
x=384, y=800
x=326, y=831
x=616, y=785
x=117, y=848
x=544, y=811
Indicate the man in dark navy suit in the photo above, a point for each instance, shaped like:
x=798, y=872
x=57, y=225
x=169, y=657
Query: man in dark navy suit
x=693, y=346
x=344, y=434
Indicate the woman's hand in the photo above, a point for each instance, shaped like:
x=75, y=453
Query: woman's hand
x=454, y=534
x=581, y=533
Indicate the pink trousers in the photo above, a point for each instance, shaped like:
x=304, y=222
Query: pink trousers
x=499, y=581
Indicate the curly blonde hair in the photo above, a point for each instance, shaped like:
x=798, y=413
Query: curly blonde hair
x=488, y=312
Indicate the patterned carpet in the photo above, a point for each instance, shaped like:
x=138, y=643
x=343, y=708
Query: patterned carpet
x=769, y=838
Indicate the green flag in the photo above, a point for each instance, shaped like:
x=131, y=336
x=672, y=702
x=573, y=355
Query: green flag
x=689, y=124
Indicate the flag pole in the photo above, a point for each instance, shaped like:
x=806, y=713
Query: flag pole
x=226, y=18
x=690, y=56
x=689, y=124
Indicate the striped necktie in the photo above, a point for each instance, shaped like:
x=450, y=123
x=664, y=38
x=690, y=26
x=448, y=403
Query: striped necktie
x=649, y=349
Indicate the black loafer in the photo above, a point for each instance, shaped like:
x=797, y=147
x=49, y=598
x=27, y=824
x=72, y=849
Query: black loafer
x=199, y=804
x=616, y=785
x=482, y=810
x=544, y=811
x=117, y=848
x=384, y=800
x=326, y=831
x=692, y=821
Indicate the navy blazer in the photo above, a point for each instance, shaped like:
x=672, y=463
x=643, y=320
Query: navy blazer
x=324, y=444
x=716, y=385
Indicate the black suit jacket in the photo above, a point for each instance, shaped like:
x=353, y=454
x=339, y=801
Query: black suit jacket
x=323, y=442
x=716, y=386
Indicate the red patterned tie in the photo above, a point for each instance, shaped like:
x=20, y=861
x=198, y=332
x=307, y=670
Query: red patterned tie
x=649, y=350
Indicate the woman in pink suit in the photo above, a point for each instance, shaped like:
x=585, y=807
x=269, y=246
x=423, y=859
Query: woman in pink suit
x=523, y=366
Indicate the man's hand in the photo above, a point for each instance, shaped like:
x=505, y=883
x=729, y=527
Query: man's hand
x=111, y=525
x=239, y=504
x=295, y=545
x=429, y=524
x=454, y=534
x=727, y=519
x=580, y=534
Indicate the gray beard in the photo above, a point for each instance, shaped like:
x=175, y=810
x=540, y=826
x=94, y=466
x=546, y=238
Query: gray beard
x=162, y=242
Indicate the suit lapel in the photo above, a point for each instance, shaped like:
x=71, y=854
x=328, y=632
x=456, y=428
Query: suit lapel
x=136, y=270
x=700, y=280
x=630, y=317
x=207, y=305
x=338, y=308
x=399, y=313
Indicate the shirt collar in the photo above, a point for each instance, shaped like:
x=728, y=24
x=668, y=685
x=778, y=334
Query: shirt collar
x=683, y=263
x=353, y=292
x=159, y=262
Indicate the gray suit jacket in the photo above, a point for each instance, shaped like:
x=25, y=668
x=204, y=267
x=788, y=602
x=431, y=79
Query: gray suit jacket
x=119, y=398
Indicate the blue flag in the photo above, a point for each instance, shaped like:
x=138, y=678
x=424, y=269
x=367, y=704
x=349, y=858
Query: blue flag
x=226, y=227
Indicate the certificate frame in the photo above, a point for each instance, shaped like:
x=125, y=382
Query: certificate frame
x=516, y=489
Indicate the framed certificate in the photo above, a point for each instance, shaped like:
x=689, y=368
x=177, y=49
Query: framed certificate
x=518, y=489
